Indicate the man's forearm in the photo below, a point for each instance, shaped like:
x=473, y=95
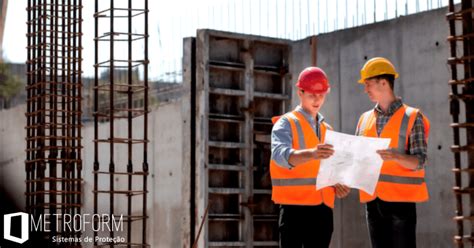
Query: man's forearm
x=322, y=151
x=298, y=157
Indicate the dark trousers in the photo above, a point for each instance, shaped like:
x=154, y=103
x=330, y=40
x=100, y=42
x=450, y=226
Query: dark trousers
x=391, y=224
x=305, y=226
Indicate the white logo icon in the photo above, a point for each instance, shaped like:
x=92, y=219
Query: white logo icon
x=7, y=223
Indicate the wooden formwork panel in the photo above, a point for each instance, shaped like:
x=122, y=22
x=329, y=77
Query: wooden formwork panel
x=241, y=82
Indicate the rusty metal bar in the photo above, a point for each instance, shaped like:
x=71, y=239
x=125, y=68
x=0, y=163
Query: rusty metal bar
x=129, y=120
x=53, y=150
x=96, y=118
x=29, y=80
x=63, y=107
x=69, y=170
x=115, y=98
x=53, y=100
x=111, y=118
x=468, y=98
x=145, y=131
x=454, y=109
x=462, y=91
x=79, y=90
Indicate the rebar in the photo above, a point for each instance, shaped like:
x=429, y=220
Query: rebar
x=462, y=92
x=114, y=100
x=53, y=142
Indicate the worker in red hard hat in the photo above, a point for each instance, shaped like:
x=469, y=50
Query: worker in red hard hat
x=297, y=144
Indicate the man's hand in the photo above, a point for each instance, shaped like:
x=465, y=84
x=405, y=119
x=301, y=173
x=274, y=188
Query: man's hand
x=341, y=190
x=405, y=160
x=388, y=154
x=323, y=151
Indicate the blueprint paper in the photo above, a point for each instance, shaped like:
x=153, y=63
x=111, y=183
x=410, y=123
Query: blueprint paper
x=354, y=163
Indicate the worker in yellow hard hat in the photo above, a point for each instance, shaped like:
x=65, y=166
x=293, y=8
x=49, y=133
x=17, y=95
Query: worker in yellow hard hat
x=391, y=210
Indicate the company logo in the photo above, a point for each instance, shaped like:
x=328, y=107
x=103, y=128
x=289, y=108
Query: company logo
x=7, y=227
x=63, y=223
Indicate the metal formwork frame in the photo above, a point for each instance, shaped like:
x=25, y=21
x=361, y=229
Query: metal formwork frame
x=53, y=142
x=462, y=95
x=108, y=198
x=241, y=82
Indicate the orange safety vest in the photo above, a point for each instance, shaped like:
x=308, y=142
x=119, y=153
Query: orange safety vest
x=297, y=186
x=396, y=183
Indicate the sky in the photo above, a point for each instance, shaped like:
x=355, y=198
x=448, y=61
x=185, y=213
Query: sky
x=170, y=21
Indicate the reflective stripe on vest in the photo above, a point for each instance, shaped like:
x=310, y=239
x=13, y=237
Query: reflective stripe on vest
x=299, y=129
x=294, y=181
x=364, y=122
x=402, y=137
x=400, y=179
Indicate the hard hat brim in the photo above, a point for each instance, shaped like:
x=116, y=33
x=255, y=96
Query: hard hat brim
x=316, y=92
x=362, y=80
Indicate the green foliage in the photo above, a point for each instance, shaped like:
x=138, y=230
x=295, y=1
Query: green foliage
x=10, y=85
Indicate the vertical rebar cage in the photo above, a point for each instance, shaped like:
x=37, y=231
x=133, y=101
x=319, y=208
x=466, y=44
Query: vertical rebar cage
x=461, y=62
x=53, y=163
x=121, y=102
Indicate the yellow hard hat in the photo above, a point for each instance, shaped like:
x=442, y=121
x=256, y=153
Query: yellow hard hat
x=375, y=67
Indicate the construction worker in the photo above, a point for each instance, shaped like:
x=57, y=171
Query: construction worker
x=391, y=210
x=297, y=142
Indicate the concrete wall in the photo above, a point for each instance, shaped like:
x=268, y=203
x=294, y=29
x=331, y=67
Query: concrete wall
x=417, y=46
x=12, y=152
x=168, y=197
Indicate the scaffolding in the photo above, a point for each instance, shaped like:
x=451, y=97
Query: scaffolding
x=53, y=130
x=119, y=48
x=462, y=91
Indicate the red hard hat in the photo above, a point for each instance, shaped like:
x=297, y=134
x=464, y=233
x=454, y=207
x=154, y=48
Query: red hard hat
x=313, y=80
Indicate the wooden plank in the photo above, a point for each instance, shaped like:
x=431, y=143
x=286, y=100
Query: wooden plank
x=202, y=110
x=225, y=116
x=266, y=243
x=225, y=217
x=225, y=244
x=226, y=144
x=263, y=191
x=227, y=92
x=225, y=191
x=264, y=138
x=271, y=96
x=247, y=179
x=226, y=65
x=272, y=71
x=218, y=119
x=225, y=167
x=189, y=165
